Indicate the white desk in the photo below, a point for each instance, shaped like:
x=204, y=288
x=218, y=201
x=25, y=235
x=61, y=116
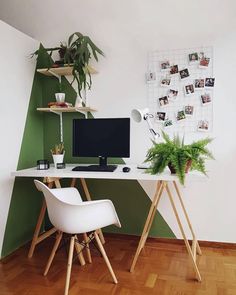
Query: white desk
x=163, y=181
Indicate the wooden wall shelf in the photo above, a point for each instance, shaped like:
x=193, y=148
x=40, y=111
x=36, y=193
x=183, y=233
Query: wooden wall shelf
x=62, y=71
x=67, y=110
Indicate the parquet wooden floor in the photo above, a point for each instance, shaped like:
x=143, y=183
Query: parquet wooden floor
x=161, y=269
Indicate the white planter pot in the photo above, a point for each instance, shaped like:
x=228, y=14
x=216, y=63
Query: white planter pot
x=60, y=97
x=57, y=159
x=78, y=102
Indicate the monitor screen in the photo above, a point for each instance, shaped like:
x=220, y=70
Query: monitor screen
x=109, y=137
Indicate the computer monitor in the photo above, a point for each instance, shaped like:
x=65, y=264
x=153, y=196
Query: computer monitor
x=103, y=138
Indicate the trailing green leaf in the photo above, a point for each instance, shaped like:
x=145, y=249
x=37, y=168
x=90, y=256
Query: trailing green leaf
x=77, y=52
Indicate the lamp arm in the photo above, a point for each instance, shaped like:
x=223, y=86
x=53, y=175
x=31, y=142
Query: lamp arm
x=154, y=134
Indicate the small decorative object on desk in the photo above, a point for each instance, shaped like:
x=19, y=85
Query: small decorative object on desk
x=58, y=153
x=61, y=165
x=179, y=157
x=43, y=165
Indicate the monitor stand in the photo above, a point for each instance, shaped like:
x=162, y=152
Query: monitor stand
x=103, y=167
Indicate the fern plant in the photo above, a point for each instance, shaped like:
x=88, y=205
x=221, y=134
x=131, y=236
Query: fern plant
x=173, y=153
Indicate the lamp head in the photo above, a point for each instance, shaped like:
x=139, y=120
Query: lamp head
x=139, y=115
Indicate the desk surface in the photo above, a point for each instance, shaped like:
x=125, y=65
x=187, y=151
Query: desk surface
x=134, y=174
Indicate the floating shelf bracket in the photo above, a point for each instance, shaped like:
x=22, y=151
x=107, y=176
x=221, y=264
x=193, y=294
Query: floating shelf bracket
x=55, y=75
x=82, y=112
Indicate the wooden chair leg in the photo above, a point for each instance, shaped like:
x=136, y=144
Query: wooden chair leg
x=79, y=249
x=105, y=257
x=86, y=239
x=54, y=249
x=69, y=265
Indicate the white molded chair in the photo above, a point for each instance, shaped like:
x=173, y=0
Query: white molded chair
x=69, y=214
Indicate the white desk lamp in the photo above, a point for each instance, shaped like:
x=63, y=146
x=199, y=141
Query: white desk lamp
x=140, y=115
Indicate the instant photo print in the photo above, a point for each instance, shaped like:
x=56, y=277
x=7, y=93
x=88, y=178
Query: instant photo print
x=164, y=65
x=150, y=77
x=189, y=89
x=163, y=101
x=172, y=94
x=160, y=116
x=203, y=126
x=188, y=110
x=209, y=82
x=165, y=81
x=174, y=70
x=184, y=74
x=205, y=99
x=199, y=84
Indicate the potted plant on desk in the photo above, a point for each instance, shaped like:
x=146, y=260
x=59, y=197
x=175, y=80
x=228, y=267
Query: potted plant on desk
x=178, y=157
x=58, y=153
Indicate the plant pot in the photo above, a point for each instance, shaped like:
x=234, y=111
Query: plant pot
x=60, y=97
x=188, y=166
x=79, y=102
x=57, y=159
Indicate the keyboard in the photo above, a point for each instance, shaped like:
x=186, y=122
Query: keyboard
x=95, y=168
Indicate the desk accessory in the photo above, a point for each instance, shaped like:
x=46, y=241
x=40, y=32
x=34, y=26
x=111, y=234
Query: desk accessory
x=144, y=115
x=126, y=169
x=43, y=165
x=61, y=165
x=138, y=116
x=58, y=153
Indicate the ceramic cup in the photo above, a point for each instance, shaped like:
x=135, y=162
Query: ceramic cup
x=60, y=97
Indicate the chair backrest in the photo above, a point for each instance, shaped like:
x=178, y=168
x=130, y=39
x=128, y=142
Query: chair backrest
x=68, y=213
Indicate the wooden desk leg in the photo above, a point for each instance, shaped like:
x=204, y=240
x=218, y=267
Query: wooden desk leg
x=149, y=220
x=199, y=252
x=37, y=229
x=88, y=197
x=36, y=237
x=191, y=251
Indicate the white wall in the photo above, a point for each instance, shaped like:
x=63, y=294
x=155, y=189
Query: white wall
x=126, y=31
x=16, y=77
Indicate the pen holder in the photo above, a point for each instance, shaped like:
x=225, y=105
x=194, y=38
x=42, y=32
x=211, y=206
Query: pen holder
x=43, y=165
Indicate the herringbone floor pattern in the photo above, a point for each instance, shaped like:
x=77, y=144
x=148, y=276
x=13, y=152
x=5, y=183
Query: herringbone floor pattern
x=161, y=269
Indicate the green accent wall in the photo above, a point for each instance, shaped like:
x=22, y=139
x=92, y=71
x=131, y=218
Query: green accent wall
x=40, y=135
x=25, y=200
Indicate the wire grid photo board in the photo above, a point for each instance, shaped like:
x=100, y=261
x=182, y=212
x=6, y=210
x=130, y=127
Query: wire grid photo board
x=180, y=85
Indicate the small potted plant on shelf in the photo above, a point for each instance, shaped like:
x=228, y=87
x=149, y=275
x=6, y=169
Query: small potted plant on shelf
x=58, y=153
x=178, y=157
x=60, y=96
x=77, y=52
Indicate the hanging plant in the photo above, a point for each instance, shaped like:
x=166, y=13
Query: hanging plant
x=77, y=52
